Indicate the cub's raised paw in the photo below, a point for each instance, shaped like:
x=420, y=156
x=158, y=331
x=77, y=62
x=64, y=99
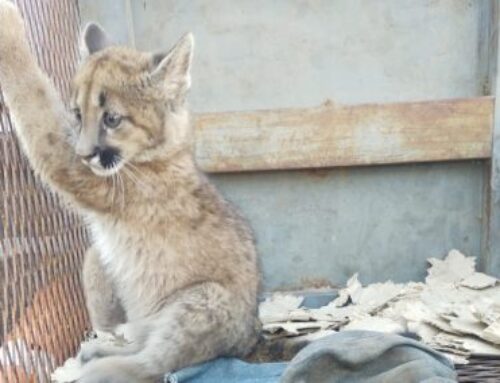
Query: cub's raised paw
x=11, y=27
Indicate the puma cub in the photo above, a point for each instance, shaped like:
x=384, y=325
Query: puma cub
x=171, y=261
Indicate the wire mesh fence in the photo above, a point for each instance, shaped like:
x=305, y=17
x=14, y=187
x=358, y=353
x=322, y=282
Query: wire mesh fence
x=42, y=310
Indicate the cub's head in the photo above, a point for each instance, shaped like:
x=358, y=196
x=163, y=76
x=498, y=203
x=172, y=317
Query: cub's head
x=129, y=105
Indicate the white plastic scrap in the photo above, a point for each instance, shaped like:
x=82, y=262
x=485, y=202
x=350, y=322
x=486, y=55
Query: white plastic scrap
x=377, y=295
x=492, y=333
x=278, y=307
x=352, y=287
x=479, y=281
x=456, y=310
x=295, y=328
x=378, y=323
x=453, y=269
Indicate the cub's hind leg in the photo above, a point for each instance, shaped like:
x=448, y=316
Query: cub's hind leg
x=198, y=324
x=103, y=305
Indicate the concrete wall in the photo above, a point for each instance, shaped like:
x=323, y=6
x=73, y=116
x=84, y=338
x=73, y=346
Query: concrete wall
x=256, y=54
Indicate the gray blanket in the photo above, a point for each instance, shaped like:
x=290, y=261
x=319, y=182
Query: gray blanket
x=345, y=357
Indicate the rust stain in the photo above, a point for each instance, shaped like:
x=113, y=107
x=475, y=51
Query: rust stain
x=334, y=135
x=308, y=283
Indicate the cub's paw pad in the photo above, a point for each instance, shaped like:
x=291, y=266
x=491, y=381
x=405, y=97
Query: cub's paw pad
x=89, y=352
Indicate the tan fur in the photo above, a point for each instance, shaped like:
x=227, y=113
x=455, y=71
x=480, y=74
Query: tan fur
x=104, y=307
x=169, y=253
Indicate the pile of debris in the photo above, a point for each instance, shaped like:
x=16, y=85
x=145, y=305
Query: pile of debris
x=456, y=310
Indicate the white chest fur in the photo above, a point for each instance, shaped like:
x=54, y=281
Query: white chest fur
x=125, y=259
x=110, y=241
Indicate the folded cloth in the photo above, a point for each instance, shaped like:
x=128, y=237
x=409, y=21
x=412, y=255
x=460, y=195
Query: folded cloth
x=367, y=356
x=344, y=357
x=229, y=370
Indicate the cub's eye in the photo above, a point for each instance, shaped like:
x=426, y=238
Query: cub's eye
x=111, y=120
x=77, y=114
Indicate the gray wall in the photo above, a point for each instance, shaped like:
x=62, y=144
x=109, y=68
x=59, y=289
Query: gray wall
x=257, y=54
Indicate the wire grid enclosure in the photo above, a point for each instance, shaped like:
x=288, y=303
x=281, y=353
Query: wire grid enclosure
x=42, y=308
x=43, y=315
x=481, y=369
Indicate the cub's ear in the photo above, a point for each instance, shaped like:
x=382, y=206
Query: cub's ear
x=92, y=39
x=173, y=68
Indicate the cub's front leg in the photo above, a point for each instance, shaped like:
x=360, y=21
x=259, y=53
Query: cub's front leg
x=103, y=305
x=198, y=324
x=40, y=119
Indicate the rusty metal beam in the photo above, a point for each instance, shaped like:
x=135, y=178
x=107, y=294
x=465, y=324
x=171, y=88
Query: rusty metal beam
x=332, y=135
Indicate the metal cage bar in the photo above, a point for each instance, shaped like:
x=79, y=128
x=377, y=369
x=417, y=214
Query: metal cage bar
x=43, y=316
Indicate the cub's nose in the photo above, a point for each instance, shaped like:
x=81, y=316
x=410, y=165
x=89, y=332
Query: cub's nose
x=109, y=157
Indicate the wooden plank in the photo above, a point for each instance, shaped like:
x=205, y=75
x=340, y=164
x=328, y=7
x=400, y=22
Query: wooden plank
x=332, y=135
